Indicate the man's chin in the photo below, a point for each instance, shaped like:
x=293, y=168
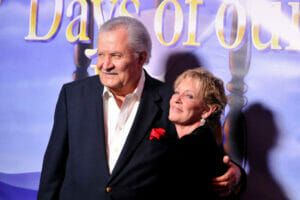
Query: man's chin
x=110, y=83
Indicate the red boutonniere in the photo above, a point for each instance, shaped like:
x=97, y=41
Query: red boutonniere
x=157, y=133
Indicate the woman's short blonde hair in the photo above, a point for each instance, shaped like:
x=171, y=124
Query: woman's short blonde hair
x=211, y=90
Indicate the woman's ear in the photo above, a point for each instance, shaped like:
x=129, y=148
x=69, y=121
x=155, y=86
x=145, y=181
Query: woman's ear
x=208, y=111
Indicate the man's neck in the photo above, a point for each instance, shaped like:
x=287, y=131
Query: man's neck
x=120, y=93
x=119, y=98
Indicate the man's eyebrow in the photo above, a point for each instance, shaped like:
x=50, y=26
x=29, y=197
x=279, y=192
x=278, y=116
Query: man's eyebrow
x=116, y=52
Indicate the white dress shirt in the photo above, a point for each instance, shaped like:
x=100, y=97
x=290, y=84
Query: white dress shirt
x=118, y=121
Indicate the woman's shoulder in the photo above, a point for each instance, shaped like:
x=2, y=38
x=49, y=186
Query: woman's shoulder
x=201, y=134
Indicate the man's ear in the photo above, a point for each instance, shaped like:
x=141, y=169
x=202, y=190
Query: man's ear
x=208, y=111
x=142, y=58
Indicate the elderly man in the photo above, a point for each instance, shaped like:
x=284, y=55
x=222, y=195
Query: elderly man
x=105, y=142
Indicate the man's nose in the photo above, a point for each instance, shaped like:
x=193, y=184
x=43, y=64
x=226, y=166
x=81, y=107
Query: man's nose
x=107, y=63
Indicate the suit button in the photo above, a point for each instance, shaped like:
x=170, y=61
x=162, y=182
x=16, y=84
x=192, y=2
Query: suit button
x=108, y=189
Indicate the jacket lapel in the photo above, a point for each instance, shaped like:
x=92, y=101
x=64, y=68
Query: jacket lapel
x=98, y=90
x=146, y=113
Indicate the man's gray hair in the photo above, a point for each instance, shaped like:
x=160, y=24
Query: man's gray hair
x=138, y=36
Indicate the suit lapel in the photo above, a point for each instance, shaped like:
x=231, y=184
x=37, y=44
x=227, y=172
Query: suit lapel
x=146, y=113
x=97, y=100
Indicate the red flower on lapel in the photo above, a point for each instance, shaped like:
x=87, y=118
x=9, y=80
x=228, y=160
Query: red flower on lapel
x=157, y=133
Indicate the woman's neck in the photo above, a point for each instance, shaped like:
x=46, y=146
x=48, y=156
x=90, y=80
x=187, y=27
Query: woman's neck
x=183, y=130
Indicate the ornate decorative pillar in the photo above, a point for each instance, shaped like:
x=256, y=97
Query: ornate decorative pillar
x=81, y=61
x=235, y=126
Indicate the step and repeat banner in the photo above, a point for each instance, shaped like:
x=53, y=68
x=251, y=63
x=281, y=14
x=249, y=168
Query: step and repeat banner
x=253, y=45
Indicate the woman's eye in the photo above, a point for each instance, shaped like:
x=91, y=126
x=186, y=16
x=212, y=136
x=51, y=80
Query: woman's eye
x=189, y=96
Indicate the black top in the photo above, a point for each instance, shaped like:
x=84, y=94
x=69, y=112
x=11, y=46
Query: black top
x=195, y=159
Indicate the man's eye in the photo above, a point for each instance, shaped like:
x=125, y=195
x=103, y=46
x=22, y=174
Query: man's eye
x=177, y=93
x=116, y=55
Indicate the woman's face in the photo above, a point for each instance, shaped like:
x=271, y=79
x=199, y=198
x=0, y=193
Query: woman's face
x=186, y=104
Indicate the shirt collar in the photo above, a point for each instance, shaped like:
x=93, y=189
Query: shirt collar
x=138, y=90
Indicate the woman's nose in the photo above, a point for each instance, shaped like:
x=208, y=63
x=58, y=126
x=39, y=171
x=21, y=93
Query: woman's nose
x=177, y=98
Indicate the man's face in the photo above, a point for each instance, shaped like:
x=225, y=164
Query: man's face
x=119, y=67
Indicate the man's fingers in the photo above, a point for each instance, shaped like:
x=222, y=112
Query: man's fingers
x=229, y=174
x=223, y=184
x=226, y=160
x=222, y=178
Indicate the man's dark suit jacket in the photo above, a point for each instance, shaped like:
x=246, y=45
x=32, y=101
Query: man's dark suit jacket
x=75, y=162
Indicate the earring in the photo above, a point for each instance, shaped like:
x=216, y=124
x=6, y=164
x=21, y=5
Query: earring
x=202, y=121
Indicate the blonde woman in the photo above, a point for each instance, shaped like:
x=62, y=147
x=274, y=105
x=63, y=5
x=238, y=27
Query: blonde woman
x=195, y=108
